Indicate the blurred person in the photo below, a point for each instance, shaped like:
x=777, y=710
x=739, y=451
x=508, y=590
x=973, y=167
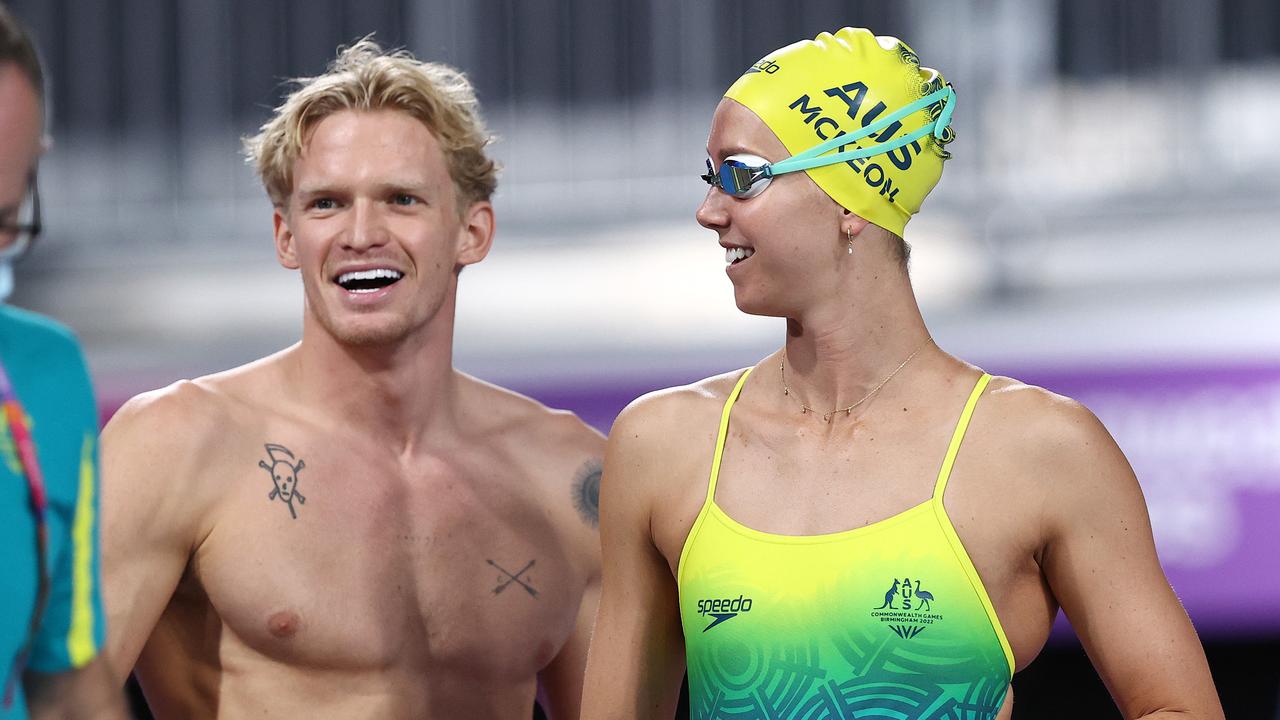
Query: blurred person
x=862, y=525
x=51, y=619
x=351, y=527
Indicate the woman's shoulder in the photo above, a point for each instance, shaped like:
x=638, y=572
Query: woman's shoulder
x=659, y=454
x=677, y=411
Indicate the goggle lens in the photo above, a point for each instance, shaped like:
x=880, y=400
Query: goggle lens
x=741, y=176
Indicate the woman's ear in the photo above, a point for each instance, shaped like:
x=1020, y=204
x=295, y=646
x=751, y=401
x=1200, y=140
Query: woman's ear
x=851, y=225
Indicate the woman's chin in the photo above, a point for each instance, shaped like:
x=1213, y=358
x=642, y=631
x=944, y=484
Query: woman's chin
x=758, y=306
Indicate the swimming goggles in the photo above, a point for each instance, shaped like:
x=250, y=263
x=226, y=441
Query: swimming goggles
x=746, y=176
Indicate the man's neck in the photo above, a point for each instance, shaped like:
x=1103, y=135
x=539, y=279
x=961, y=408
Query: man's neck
x=399, y=391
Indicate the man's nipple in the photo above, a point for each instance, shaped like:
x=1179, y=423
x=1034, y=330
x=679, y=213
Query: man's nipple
x=283, y=624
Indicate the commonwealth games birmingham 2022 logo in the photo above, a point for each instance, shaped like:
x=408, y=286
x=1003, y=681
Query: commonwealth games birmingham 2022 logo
x=913, y=611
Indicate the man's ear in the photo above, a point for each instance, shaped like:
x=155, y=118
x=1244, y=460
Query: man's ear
x=286, y=253
x=475, y=236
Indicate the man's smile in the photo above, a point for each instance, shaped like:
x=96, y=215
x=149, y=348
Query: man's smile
x=368, y=281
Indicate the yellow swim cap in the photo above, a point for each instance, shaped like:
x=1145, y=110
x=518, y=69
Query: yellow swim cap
x=833, y=85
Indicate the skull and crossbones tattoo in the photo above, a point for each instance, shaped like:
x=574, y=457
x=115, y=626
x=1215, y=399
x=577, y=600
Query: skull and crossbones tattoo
x=284, y=474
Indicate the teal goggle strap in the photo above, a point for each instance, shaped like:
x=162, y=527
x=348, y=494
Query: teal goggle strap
x=813, y=157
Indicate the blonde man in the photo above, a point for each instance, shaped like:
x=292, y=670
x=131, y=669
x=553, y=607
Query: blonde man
x=351, y=527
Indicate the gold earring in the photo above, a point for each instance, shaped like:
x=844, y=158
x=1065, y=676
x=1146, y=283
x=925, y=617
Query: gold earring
x=849, y=234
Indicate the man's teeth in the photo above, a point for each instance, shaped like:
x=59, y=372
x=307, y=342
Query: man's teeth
x=734, y=254
x=375, y=274
x=368, y=281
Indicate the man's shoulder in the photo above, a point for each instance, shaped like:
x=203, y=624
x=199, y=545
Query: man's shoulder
x=558, y=457
x=553, y=448
x=188, y=414
x=172, y=415
x=525, y=422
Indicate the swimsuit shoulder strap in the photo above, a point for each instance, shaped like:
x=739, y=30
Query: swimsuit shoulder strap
x=723, y=433
x=958, y=436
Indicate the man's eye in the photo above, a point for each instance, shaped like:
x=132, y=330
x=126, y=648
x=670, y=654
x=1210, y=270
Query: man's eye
x=404, y=199
x=324, y=204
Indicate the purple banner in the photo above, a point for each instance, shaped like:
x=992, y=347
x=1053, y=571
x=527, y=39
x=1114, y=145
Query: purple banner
x=1205, y=444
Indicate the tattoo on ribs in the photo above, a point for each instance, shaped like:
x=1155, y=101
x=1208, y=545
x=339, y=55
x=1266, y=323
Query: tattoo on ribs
x=586, y=492
x=284, y=469
x=518, y=577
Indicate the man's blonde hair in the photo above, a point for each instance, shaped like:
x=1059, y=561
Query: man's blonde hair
x=364, y=78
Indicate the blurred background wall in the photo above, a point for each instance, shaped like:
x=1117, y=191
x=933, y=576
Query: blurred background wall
x=1107, y=227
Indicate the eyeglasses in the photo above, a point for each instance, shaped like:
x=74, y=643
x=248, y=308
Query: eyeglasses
x=18, y=232
x=746, y=176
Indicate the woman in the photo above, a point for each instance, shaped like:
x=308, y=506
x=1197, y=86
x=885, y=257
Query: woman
x=862, y=525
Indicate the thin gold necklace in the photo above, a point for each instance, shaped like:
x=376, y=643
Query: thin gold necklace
x=826, y=417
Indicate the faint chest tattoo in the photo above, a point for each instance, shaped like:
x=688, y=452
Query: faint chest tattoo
x=586, y=492
x=507, y=578
x=283, y=469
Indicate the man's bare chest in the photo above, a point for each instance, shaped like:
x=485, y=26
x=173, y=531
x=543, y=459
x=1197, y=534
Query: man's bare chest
x=331, y=556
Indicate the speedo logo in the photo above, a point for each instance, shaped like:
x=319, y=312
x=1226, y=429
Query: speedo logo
x=766, y=66
x=723, y=609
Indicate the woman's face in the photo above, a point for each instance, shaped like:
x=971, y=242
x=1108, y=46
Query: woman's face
x=791, y=230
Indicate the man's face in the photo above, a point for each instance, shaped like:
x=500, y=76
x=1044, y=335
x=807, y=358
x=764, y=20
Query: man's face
x=20, y=143
x=373, y=225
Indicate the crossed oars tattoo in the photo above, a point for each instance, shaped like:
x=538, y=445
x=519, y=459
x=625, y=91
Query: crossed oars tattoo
x=513, y=578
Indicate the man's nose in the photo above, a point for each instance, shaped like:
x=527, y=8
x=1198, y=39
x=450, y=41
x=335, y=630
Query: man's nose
x=368, y=226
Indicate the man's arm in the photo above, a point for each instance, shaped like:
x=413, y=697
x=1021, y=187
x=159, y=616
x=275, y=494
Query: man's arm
x=1100, y=559
x=637, y=653
x=560, y=682
x=149, y=451
x=86, y=693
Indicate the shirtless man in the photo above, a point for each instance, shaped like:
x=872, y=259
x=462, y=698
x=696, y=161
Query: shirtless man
x=862, y=525
x=351, y=527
